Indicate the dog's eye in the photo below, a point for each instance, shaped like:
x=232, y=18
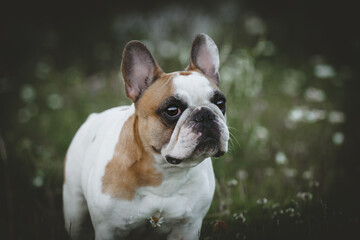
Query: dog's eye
x=221, y=104
x=219, y=100
x=173, y=111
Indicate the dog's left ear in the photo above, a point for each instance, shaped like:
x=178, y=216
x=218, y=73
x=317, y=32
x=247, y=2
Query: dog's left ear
x=205, y=57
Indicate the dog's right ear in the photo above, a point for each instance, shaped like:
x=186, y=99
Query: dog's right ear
x=205, y=57
x=139, y=69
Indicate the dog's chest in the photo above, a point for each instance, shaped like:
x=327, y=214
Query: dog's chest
x=154, y=213
x=165, y=207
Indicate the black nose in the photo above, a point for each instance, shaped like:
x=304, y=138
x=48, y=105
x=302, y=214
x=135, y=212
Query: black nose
x=205, y=115
x=205, y=123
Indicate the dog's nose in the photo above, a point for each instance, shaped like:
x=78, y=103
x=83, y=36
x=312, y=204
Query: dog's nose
x=204, y=115
x=205, y=122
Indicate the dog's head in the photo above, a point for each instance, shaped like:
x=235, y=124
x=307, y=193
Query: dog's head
x=180, y=115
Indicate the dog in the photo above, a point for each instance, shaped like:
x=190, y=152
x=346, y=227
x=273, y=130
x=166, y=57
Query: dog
x=144, y=171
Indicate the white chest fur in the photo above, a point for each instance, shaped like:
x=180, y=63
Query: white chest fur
x=182, y=199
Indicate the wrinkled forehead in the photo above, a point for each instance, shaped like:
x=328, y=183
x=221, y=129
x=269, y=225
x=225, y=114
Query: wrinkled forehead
x=193, y=87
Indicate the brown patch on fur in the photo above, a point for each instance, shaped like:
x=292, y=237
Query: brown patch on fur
x=131, y=166
x=157, y=133
x=185, y=73
x=192, y=67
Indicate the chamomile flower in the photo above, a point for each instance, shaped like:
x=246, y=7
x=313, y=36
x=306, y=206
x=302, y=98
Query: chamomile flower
x=156, y=222
x=232, y=183
x=305, y=196
x=239, y=217
x=262, y=201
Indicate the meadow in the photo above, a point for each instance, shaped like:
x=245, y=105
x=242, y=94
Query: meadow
x=285, y=175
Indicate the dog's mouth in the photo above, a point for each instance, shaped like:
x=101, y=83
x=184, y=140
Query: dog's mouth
x=174, y=161
x=207, y=148
x=207, y=145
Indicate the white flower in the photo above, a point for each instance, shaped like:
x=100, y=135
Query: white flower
x=28, y=93
x=156, y=222
x=308, y=174
x=261, y=133
x=306, y=115
x=297, y=114
x=242, y=175
x=290, y=212
x=314, y=184
x=290, y=172
x=305, y=196
x=275, y=206
x=281, y=158
x=232, y=183
x=336, y=117
x=262, y=201
x=324, y=71
x=338, y=138
x=55, y=101
x=315, y=115
x=254, y=25
x=314, y=95
x=240, y=217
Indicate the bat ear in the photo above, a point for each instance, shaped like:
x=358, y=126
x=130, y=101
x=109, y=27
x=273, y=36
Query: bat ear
x=139, y=69
x=205, y=57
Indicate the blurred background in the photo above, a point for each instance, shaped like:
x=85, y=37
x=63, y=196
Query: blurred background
x=290, y=71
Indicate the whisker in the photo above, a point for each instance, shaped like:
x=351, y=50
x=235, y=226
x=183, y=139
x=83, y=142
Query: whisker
x=233, y=137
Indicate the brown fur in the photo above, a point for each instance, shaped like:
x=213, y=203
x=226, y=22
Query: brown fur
x=156, y=134
x=132, y=165
x=185, y=73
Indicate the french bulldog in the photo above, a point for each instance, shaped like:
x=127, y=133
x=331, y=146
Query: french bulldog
x=144, y=171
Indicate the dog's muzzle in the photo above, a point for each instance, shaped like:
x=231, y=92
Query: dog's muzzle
x=202, y=120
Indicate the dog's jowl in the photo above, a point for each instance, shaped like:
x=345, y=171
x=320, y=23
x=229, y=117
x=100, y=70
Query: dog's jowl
x=144, y=171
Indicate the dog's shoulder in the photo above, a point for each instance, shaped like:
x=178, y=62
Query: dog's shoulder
x=112, y=114
x=97, y=136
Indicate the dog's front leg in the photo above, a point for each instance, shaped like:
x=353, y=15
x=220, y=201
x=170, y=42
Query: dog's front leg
x=106, y=232
x=189, y=231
